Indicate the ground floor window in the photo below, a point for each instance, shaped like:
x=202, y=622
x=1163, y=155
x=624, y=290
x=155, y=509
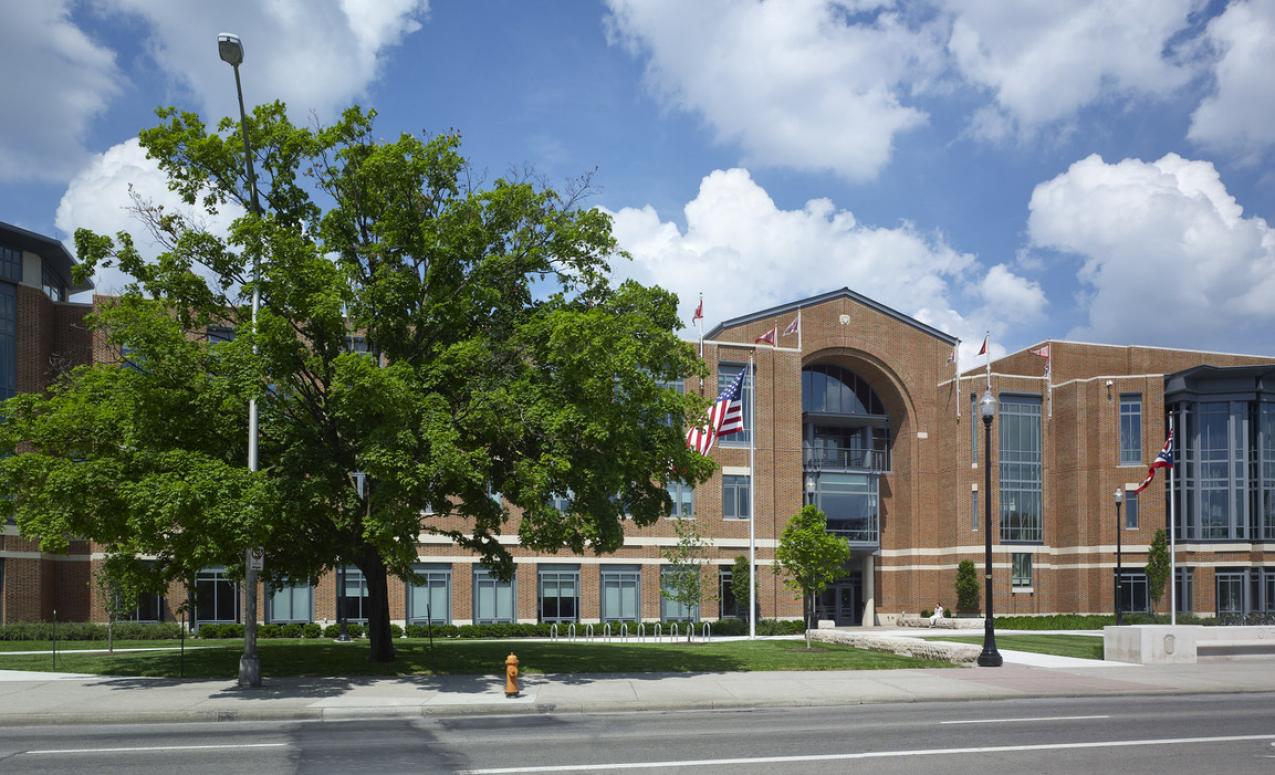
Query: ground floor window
x=430, y=601
x=493, y=598
x=216, y=596
x=672, y=610
x=726, y=605
x=149, y=608
x=1185, y=589
x=559, y=593
x=291, y=603
x=1022, y=570
x=1230, y=592
x=1133, y=591
x=353, y=601
x=620, y=592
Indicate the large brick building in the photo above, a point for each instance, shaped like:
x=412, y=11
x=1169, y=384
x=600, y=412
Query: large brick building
x=861, y=413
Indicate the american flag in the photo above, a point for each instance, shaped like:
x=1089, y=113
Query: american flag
x=1162, y=460
x=725, y=416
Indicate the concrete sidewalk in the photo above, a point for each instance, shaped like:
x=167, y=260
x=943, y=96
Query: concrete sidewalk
x=51, y=699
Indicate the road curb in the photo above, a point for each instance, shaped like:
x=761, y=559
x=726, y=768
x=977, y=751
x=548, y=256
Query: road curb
x=372, y=712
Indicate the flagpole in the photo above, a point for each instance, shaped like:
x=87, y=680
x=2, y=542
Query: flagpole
x=956, y=378
x=752, y=503
x=1173, y=550
x=699, y=324
x=987, y=341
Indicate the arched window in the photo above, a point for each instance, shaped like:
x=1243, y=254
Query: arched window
x=835, y=390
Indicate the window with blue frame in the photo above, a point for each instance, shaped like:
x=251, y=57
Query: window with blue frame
x=683, y=496
x=1130, y=429
x=726, y=374
x=735, y=496
x=1021, y=469
x=10, y=264
x=1131, y=511
x=291, y=603
x=8, y=341
x=430, y=599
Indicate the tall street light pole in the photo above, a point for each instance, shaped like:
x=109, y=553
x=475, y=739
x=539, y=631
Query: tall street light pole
x=230, y=49
x=1119, y=569
x=990, y=656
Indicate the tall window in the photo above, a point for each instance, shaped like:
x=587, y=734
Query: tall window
x=683, y=496
x=1264, y=510
x=52, y=283
x=1133, y=591
x=291, y=603
x=1020, y=463
x=1021, y=577
x=559, y=593
x=354, y=601
x=8, y=341
x=1186, y=589
x=851, y=503
x=1130, y=429
x=1212, y=423
x=430, y=600
x=726, y=594
x=10, y=264
x=216, y=596
x=735, y=497
x=1230, y=591
x=726, y=374
x=1131, y=511
x=149, y=608
x=621, y=585
x=493, y=598
x=672, y=610
x=974, y=510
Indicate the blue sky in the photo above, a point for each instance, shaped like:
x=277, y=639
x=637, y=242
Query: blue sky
x=1040, y=170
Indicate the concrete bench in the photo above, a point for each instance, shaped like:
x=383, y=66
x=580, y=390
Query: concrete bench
x=1229, y=649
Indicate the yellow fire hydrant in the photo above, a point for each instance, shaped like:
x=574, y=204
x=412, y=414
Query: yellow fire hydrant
x=511, y=675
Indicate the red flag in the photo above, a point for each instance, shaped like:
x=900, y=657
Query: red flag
x=1162, y=460
x=1043, y=352
x=983, y=350
x=768, y=337
x=699, y=311
x=951, y=357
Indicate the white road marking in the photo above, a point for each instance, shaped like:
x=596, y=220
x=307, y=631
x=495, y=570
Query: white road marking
x=137, y=749
x=864, y=755
x=1012, y=720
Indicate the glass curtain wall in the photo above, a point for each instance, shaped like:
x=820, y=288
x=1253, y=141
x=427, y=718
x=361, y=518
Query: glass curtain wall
x=1021, y=470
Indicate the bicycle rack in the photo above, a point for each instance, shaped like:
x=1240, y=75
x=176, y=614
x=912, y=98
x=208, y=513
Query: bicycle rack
x=553, y=631
x=624, y=632
x=588, y=633
x=706, y=632
x=571, y=633
x=641, y=631
x=659, y=632
x=672, y=633
x=606, y=632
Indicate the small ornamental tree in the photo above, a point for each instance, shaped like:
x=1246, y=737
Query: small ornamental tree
x=1157, y=568
x=446, y=338
x=680, y=580
x=966, y=587
x=740, y=586
x=810, y=557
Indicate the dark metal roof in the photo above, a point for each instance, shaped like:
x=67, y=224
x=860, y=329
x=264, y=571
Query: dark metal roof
x=49, y=249
x=842, y=293
x=1258, y=378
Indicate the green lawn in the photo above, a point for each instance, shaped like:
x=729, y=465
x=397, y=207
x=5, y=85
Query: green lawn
x=415, y=657
x=76, y=645
x=1082, y=646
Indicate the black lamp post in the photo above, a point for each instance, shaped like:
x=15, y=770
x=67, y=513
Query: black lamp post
x=1119, y=567
x=990, y=656
x=230, y=49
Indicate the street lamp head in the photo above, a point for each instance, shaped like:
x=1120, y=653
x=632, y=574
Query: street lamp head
x=987, y=407
x=1119, y=495
x=230, y=48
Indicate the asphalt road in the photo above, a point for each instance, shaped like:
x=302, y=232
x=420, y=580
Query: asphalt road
x=1190, y=734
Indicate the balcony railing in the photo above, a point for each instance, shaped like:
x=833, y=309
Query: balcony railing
x=844, y=459
x=860, y=531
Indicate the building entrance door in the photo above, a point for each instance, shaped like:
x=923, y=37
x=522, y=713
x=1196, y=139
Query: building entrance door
x=842, y=602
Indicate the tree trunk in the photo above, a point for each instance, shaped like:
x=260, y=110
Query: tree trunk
x=380, y=640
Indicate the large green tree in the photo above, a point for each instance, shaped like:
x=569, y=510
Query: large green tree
x=448, y=338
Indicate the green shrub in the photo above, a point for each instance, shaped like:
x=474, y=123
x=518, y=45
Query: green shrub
x=291, y=631
x=396, y=631
x=731, y=626
x=355, y=629
x=90, y=631
x=311, y=630
x=966, y=587
x=219, y=631
x=269, y=631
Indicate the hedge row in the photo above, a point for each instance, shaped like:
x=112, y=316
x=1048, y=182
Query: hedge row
x=89, y=631
x=1092, y=621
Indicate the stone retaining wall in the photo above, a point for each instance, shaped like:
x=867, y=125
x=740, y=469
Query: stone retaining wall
x=946, y=623
x=959, y=653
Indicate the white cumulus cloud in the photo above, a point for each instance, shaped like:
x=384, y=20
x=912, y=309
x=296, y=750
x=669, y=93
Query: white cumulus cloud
x=1044, y=61
x=804, y=84
x=316, y=55
x=1240, y=113
x=56, y=80
x=98, y=199
x=1169, y=257
x=745, y=253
